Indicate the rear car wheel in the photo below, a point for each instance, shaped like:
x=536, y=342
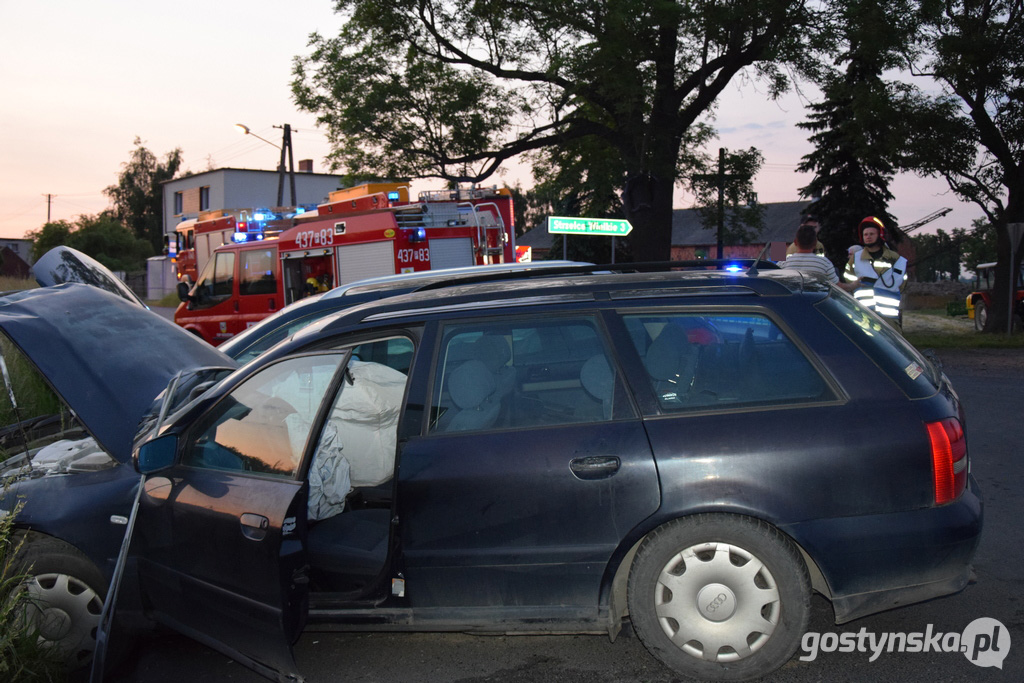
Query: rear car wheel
x=65, y=596
x=980, y=315
x=719, y=597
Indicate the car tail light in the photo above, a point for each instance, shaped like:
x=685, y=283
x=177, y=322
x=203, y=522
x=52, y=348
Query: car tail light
x=949, y=459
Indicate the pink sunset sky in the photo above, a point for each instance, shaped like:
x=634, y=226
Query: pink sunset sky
x=81, y=80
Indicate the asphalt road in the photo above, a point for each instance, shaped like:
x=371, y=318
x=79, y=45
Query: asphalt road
x=991, y=384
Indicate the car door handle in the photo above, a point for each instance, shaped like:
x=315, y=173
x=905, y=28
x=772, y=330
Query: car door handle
x=595, y=467
x=254, y=527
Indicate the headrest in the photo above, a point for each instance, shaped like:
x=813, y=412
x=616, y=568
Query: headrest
x=668, y=354
x=493, y=350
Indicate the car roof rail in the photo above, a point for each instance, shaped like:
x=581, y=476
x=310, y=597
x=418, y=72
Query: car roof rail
x=459, y=274
x=730, y=265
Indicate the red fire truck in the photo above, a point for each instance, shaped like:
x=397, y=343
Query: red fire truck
x=364, y=231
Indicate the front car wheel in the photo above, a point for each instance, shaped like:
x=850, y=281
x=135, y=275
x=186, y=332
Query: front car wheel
x=63, y=597
x=719, y=597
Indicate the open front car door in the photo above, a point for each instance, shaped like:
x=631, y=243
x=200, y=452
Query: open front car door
x=221, y=528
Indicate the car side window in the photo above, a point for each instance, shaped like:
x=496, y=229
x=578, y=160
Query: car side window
x=723, y=361
x=223, y=275
x=262, y=426
x=396, y=353
x=216, y=282
x=523, y=374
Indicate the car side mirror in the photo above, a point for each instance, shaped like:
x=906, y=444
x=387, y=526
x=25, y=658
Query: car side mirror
x=156, y=455
x=183, y=291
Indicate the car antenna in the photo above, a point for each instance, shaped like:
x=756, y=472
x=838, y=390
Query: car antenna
x=752, y=271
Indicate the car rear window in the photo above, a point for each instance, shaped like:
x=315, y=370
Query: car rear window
x=897, y=357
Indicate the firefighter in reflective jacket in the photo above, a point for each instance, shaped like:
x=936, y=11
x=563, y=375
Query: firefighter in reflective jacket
x=880, y=273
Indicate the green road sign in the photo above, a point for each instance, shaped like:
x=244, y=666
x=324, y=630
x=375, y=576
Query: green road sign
x=612, y=227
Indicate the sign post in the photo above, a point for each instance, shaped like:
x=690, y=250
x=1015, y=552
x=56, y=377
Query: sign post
x=600, y=227
x=1014, y=230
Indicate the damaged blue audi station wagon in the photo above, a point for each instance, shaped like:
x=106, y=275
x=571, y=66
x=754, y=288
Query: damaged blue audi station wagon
x=686, y=450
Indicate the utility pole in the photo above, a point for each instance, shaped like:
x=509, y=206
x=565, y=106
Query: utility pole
x=49, y=201
x=719, y=180
x=286, y=147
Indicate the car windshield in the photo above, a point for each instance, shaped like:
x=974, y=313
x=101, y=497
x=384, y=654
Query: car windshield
x=181, y=390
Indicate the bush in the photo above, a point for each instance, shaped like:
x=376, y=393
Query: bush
x=34, y=399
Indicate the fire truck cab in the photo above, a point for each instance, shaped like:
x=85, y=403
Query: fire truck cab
x=365, y=231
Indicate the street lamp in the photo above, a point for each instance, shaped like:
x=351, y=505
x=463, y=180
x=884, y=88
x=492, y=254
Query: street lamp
x=285, y=147
x=244, y=129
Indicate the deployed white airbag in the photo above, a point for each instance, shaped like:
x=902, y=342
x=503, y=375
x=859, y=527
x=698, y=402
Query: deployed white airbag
x=357, y=445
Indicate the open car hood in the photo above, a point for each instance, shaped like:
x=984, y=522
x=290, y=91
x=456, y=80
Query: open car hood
x=107, y=358
x=64, y=264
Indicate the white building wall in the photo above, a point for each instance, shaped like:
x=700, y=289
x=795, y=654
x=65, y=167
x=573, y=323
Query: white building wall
x=236, y=188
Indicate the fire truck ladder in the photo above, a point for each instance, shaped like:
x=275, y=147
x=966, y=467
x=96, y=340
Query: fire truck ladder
x=411, y=216
x=487, y=222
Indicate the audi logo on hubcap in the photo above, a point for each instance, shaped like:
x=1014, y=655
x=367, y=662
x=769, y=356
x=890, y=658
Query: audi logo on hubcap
x=716, y=602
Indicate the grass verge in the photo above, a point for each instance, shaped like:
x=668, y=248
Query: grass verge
x=169, y=301
x=935, y=329
x=23, y=657
x=939, y=340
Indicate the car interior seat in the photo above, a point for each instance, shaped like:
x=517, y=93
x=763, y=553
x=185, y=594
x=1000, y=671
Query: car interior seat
x=347, y=551
x=494, y=352
x=671, y=361
x=471, y=387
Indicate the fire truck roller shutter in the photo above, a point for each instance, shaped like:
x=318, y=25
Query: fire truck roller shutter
x=360, y=261
x=451, y=252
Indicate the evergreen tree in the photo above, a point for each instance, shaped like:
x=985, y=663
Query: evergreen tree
x=854, y=131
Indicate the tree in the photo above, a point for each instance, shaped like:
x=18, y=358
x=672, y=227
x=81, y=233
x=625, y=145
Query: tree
x=977, y=245
x=99, y=236
x=938, y=256
x=855, y=133
x=584, y=177
x=52, y=234
x=428, y=88
x=972, y=132
x=138, y=196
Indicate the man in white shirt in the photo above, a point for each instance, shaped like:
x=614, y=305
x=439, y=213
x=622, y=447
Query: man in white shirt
x=805, y=260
